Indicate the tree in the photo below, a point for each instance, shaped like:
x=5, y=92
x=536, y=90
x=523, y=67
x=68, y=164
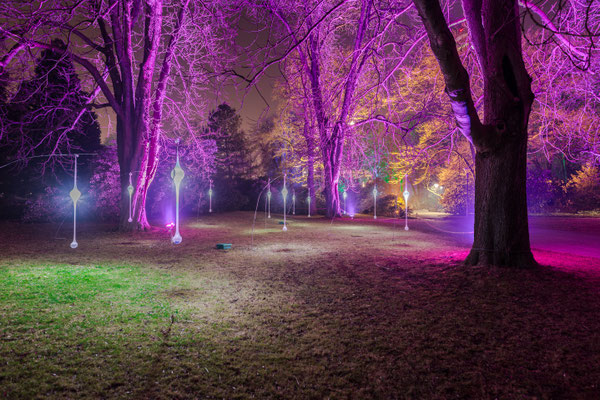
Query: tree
x=233, y=152
x=336, y=44
x=43, y=117
x=148, y=61
x=500, y=141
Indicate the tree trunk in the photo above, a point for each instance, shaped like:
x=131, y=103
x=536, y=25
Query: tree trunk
x=310, y=165
x=332, y=194
x=501, y=228
x=501, y=231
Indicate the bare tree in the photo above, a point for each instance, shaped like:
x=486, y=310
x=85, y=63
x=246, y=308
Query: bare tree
x=149, y=62
x=501, y=226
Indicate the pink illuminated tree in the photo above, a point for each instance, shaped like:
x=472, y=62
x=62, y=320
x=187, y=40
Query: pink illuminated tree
x=333, y=46
x=149, y=61
x=500, y=140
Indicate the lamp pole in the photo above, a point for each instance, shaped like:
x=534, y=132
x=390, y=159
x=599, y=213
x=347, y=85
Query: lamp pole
x=308, y=201
x=406, y=194
x=375, y=202
x=177, y=175
x=293, y=201
x=269, y=197
x=75, y=195
x=210, y=193
x=130, y=190
x=284, y=193
x=345, y=195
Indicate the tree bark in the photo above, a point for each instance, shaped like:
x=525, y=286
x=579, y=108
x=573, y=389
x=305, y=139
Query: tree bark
x=310, y=165
x=501, y=232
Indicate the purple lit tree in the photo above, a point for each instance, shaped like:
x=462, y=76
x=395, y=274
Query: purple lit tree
x=333, y=47
x=148, y=61
x=500, y=141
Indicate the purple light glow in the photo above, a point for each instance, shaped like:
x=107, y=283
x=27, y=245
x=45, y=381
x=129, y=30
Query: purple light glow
x=351, y=208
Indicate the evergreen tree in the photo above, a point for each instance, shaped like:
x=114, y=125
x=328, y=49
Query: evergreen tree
x=233, y=153
x=47, y=115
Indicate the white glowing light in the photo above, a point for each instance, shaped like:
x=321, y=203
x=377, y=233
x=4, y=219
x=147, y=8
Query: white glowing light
x=269, y=197
x=75, y=195
x=375, y=202
x=406, y=194
x=436, y=185
x=177, y=175
x=210, y=193
x=284, y=193
x=130, y=191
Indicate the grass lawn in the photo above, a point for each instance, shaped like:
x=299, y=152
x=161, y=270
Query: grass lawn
x=349, y=309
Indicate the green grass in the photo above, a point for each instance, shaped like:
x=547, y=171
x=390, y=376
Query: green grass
x=67, y=328
x=314, y=313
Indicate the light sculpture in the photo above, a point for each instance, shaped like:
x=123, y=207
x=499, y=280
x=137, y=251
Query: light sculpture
x=177, y=175
x=406, y=194
x=269, y=197
x=345, y=195
x=75, y=195
x=375, y=202
x=210, y=193
x=130, y=191
x=308, y=201
x=284, y=193
x=293, y=202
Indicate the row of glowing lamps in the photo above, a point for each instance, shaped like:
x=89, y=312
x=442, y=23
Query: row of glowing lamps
x=177, y=175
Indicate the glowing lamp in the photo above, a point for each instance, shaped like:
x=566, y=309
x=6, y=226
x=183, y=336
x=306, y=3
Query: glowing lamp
x=269, y=197
x=130, y=191
x=436, y=185
x=177, y=175
x=405, y=194
x=210, y=193
x=284, y=193
x=375, y=202
x=75, y=195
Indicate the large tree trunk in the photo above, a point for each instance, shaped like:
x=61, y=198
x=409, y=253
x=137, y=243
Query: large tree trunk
x=331, y=178
x=501, y=228
x=501, y=224
x=501, y=233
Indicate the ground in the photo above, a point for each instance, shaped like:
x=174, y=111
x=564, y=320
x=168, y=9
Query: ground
x=329, y=309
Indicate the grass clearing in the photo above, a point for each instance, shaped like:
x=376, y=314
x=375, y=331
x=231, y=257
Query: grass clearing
x=349, y=309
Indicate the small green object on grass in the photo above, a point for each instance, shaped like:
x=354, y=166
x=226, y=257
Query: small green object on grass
x=223, y=246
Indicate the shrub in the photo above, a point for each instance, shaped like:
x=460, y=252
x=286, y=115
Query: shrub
x=105, y=186
x=583, y=189
x=49, y=206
